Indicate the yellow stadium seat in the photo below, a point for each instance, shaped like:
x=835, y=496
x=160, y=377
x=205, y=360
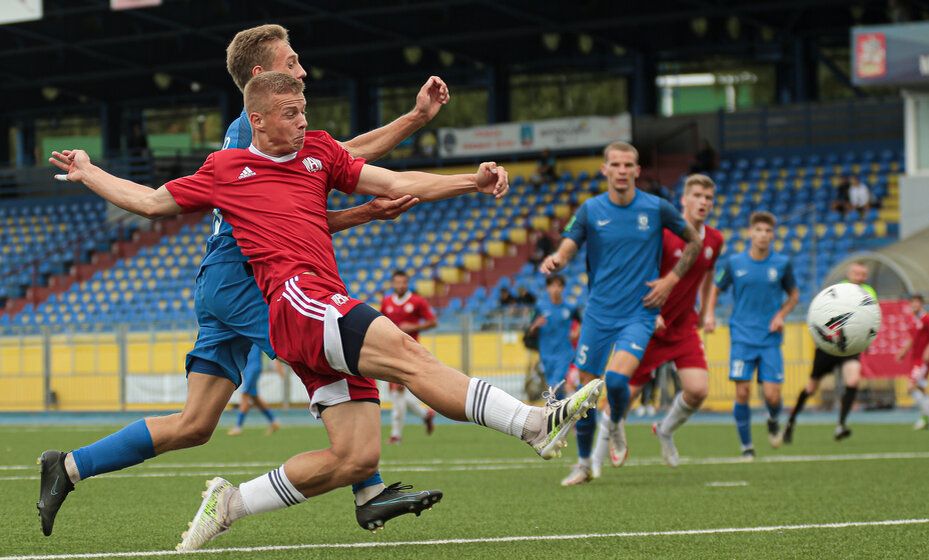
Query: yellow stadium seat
x=362, y=274
x=450, y=274
x=518, y=235
x=859, y=227
x=800, y=230
x=541, y=223
x=496, y=248
x=425, y=287
x=473, y=261
x=778, y=245
x=401, y=262
x=880, y=228
x=820, y=230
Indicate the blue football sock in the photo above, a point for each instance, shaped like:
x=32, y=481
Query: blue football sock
x=375, y=479
x=268, y=414
x=617, y=394
x=240, y=419
x=774, y=411
x=585, y=428
x=743, y=423
x=127, y=447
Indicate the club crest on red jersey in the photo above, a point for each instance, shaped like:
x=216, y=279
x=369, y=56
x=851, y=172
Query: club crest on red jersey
x=312, y=164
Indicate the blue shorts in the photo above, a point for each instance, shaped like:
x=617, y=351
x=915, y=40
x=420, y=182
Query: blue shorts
x=556, y=367
x=252, y=372
x=744, y=359
x=595, y=343
x=233, y=316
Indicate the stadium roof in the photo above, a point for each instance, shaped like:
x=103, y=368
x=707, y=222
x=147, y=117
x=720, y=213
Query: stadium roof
x=81, y=51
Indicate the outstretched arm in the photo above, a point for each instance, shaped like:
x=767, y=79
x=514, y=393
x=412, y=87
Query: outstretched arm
x=378, y=209
x=133, y=197
x=373, y=145
x=777, y=322
x=427, y=187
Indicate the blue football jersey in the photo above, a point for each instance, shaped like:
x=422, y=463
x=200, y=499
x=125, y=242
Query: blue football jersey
x=623, y=253
x=759, y=289
x=555, y=334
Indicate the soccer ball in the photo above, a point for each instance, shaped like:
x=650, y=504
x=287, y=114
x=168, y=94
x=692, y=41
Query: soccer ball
x=844, y=319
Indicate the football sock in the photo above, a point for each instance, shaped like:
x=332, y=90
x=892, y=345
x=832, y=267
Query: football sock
x=848, y=399
x=367, y=489
x=743, y=423
x=398, y=414
x=617, y=393
x=585, y=428
x=127, y=447
x=240, y=419
x=413, y=405
x=269, y=492
x=602, y=443
x=492, y=407
x=679, y=413
x=921, y=401
x=774, y=410
x=268, y=414
x=584, y=462
x=798, y=408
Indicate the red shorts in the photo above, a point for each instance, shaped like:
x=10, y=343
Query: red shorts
x=307, y=334
x=685, y=352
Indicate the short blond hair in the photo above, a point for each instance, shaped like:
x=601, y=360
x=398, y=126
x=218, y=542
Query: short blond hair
x=621, y=147
x=762, y=217
x=250, y=48
x=260, y=89
x=700, y=180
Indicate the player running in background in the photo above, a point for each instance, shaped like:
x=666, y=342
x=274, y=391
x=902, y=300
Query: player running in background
x=553, y=320
x=678, y=341
x=231, y=312
x=622, y=229
x=825, y=364
x=250, y=376
x=337, y=345
x=759, y=277
x=916, y=351
x=412, y=314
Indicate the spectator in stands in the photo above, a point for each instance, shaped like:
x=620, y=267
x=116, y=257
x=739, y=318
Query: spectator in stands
x=524, y=297
x=542, y=246
x=841, y=202
x=859, y=196
x=507, y=299
x=704, y=159
x=545, y=172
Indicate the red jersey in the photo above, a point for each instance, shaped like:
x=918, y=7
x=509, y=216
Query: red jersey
x=276, y=206
x=679, y=312
x=411, y=308
x=919, y=334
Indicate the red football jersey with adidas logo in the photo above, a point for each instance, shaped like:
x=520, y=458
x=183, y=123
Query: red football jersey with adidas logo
x=283, y=201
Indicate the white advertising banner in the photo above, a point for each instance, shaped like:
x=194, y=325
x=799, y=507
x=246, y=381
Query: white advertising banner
x=534, y=136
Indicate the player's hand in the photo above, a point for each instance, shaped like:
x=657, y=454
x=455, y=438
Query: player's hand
x=431, y=97
x=492, y=179
x=74, y=162
x=709, y=323
x=660, y=324
x=408, y=328
x=383, y=208
x=660, y=290
x=900, y=355
x=551, y=264
x=777, y=324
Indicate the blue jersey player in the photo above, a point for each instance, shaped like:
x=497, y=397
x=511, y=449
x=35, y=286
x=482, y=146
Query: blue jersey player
x=230, y=308
x=552, y=320
x=759, y=279
x=250, y=376
x=622, y=229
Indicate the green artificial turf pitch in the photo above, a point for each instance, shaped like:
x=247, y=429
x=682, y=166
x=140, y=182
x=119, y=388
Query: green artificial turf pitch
x=502, y=501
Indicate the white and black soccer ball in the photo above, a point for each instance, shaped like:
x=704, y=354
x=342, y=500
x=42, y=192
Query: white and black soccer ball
x=844, y=319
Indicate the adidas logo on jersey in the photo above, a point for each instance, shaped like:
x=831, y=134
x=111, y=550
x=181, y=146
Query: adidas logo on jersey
x=246, y=173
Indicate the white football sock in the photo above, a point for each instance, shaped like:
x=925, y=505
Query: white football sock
x=584, y=462
x=71, y=468
x=413, y=405
x=492, y=407
x=269, y=492
x=399, y=413
x=921, y=401
x=602, y=443
x=679, y=413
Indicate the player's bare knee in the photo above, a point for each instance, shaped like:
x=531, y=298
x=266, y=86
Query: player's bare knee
x=194, y=434
x=696, y=395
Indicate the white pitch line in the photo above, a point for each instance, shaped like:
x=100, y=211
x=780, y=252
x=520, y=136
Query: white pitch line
x=523, y=538
x=471, y=465
x=727, y=484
